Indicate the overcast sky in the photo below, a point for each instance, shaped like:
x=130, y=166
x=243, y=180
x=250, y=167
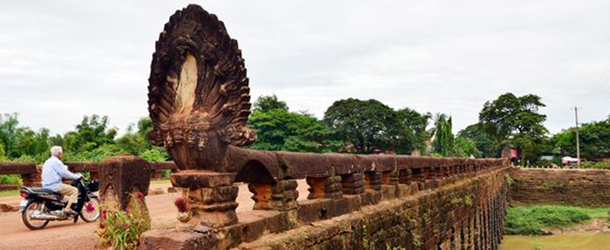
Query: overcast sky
x=61, y=60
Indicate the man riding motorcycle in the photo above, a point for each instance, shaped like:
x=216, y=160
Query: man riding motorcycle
x=53, y=170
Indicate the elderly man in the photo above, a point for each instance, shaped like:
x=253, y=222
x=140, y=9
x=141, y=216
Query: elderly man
x=53, y=171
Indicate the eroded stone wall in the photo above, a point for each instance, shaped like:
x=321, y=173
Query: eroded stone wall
x=468, y=214
x=577, y=187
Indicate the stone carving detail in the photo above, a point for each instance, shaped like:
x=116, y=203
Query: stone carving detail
x=122, y=176
x=198, y=96
x=324, y=187
x=353, y=183
x=373, y=180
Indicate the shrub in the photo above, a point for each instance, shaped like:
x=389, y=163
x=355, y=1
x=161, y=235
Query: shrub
x=598, y=165
x=122, y=229
x=11, y=179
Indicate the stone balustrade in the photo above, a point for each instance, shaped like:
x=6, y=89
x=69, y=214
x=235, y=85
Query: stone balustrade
x=338, y=184
x=31, y=173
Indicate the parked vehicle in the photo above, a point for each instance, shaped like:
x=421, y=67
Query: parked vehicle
x=39, y=205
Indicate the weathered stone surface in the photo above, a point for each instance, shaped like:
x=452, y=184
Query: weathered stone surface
x=373, y=180
x=353, y=183
x=421, y=221
x=324, y=187
x=122, y=176
x=576, y=187
x=201, y=179
x=281, y=196
x=209, y=197
x=202, y=238
x=198, y=91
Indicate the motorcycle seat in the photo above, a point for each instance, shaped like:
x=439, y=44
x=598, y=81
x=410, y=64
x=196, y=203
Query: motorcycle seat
x=44, y=190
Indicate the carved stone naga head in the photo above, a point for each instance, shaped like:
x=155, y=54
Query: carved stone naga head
x=198, y=94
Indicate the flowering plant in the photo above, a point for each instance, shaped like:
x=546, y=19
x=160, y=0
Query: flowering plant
x=122, y=229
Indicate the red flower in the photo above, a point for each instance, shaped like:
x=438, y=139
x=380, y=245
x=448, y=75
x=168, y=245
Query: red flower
x=125, y=226
x=181, y=205
x=89, y=207
x=140, y=195
x=104, y=212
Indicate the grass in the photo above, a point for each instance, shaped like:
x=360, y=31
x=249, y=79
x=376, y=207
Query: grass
x=159, y=181
x=8, y=193
x=531, y=220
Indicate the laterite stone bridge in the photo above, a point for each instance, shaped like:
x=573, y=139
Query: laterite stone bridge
x=199, y=104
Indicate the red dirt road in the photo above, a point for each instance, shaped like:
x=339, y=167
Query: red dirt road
x=67, y=235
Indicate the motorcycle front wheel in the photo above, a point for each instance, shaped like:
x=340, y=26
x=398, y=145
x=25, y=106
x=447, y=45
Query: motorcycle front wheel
x=91, y=210
x=27, y=213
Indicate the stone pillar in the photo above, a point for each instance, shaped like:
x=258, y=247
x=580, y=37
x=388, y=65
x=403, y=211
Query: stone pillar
x=389, y=177
x=372, y=180
x=210, y=198
x=280, y=195
x=33, y=177
x=324, y=187
x=404, y=176
x=417, y=175
x=121, y=177
x=430, y=181
x=352, y=183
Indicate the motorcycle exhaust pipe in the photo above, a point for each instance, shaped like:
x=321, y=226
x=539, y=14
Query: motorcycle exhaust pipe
x=42, y=216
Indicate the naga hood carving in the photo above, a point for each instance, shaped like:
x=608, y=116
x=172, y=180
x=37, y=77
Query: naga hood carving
x=198, y=94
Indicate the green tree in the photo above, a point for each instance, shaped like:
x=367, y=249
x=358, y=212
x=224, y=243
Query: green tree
x=417, y=124
x=594, y=140
x=466, y=147
x=517, y=121
x=369, y=125
x=90, y=134
x=443, y=136
x=22, y=142
x=269, y=102
x=486, y=144
x=280, y=129
x=92, y=140
x=8, y=129
x=509, y=115
x=135, y=142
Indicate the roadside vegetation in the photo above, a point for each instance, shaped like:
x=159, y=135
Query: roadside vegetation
x=9, y=193
x=348, y=126
x=597, y=165
x=540, y=220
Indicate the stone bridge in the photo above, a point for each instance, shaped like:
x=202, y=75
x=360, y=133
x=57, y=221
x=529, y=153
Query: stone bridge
x=199, y=104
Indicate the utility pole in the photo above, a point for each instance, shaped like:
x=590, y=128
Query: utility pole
x=577, y=140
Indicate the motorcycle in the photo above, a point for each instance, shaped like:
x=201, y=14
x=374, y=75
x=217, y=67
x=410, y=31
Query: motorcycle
x=39, y=205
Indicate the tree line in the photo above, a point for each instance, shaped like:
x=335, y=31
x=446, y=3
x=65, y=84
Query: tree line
x=348, y=126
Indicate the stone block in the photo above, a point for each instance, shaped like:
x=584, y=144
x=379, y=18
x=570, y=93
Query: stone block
x=324, y=187
x=122, y=176
x=201, y=238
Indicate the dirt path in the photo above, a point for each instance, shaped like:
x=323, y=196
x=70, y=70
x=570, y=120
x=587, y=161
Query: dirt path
x=67, y=235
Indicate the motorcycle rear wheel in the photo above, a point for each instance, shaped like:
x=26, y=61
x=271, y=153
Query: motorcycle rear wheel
x=26, y=216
